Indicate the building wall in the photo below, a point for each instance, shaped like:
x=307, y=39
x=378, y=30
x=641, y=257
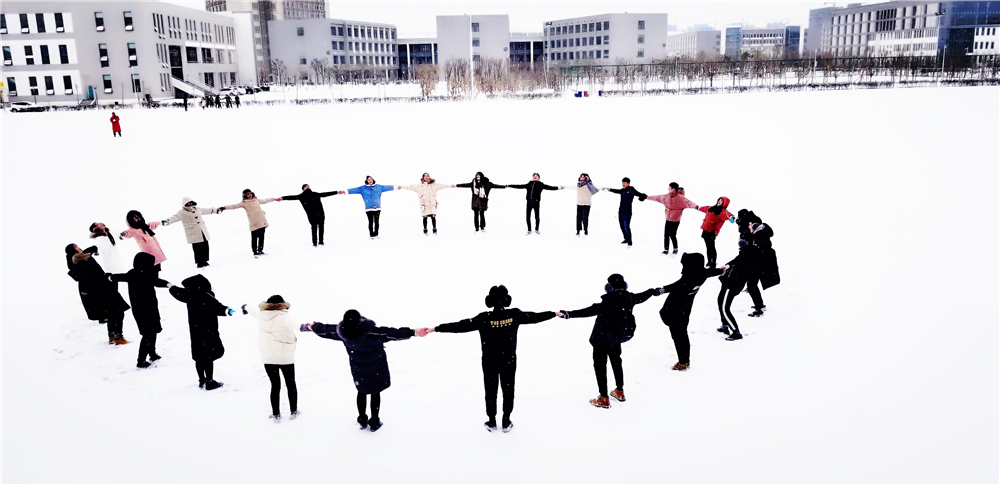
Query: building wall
x=691, y=44
x=456, y=37
x=354, y=44
x=181, y=28
x=606, y=38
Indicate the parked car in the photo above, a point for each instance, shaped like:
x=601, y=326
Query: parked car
x=26, y=106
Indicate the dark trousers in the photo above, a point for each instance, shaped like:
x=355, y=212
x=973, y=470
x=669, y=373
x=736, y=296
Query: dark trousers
x=533, y=205
x=583, y=218
x=376, y=404
x=116, y=133
x=726, y=296
x=317, y=232
x=257, y=240
x=115, y=320
x=625, y=221
x=373, y=222
x=200, y=253
x=678, y=326
x=602, y=353
x=710, y=253
x=479, y=218
x=205, y=369
x=670, y=234
x=273, y=375
x=754, y=290
x=147, y=346
x=434, y=221
x=499, y=375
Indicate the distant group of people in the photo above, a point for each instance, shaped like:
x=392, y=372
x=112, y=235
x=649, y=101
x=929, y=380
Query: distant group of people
x=209, y=101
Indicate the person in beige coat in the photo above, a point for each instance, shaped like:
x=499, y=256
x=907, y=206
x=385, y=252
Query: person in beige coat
x=585, y=190
x=255, y=214
x=194, y=228
x=427, y=191
x=276, y=338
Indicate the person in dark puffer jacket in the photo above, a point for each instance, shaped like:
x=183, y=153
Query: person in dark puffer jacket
x=734, y=277
x=142, y=282
x=615, y=325
x=364, y=342
x=676, y=311
x=99, y=295
x=203, y=322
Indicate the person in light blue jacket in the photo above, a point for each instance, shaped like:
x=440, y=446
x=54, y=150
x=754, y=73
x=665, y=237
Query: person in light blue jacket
x=372, y=195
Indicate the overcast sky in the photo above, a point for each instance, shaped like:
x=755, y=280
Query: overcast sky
x=416, y=18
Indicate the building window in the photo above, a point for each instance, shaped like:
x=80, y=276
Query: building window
x=11, y=87
x=192, y=54
x=128, y=20
x=590, y=27
x=642, y=25
x=7, y=60
x=641, y=53
x=45, y=53
x=605, y=53
x=136, y=85
x=40, y=22
x=302, y=60
x=206, y=55
x=607, y=26
x=67, y=85
x=598, y=40
x=598, y=54
x=475, y=42
x=475, y=58
x=107, y=84
x=99, y=21
x=50, y=88
x=591, y=40
x=210, y=79
x=299, y=31
x=475, y=26
x=27, y=53
x=59, y=23
x=605, y=39
x=3, y=23
x=642, y=39
x=132, y=61
x=33, y=85
x=577, y=27
x=24, y=23
x=103, y=51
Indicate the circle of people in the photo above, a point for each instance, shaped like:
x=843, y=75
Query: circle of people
x=364, y=340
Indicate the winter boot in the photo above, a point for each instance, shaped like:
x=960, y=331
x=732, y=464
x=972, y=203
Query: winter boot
x=507, y=425
x=111, y=339
x=679, y=366
x=674, y=253
x=294, y=414
x=756, y=313
x=666, y=252
x=601, y=402
x=618, y=394
x=154, y=357
x=723, y=329
x=735, y=336
x=425, y=232
x=120, y=340
x=201, y=383
x=491, y=425
x=143, y=365
x=363, y=421
x=212, y=385
x=374, y=425
x=435, y=231
x=275, y=417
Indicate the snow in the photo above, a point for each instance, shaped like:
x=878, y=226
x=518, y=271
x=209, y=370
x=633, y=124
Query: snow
x=876, y=361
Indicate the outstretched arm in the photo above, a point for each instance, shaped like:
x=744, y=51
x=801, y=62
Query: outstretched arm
x=294, y=197
x=537, y=317
x=465, y=185
x=391, y=333
x=584, y=312
x=460, y=326
x=549, y=187
x=325, y=331
x=326, y=194
x=641, y=297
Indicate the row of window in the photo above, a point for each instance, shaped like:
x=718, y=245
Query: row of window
x=33, y=86
x=580, y=55
x=191, y=54
x=364, y=32
x=39, y=23
x=986, y=31
x=591, y=27
x=373, y=60
x=984, y=45
x=29, y=55
x=582, y=41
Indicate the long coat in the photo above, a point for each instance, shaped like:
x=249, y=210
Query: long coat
x=276, y=333
x=142, y=282
x=98, y=295
x=194, y=225
x=767, y=260
x=481, y=194
x=147, y=243
x=203, y=317
x=107, y=254
x=427, y=195
x=115, y=127
x=254, y=213
x=615, y=323
x=369, y=365
x=676, y=309
x=312, y=203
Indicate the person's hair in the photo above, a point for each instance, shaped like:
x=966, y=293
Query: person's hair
x=93, y=226
x=675, y=186
x=536, y=173
x=275, y=299
x=626, y=179
x=304, y=186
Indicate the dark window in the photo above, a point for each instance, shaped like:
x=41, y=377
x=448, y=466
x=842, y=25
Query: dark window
x=136, y=85
x=607, y=25
x=475, y=26
x=49, y=86
x=33, y=84
x=40, y=22
x=333, y=30
x=128, y=20
x=59, y=23
x=6, y=56
x=24, y=22
x=598, y=40
x=475, y=58
x=3, y=25
x=206, y=56
x=192, y=54
x=99, y=21
x=210, y=79
x=68, y=84
x=11, y=86
x=28, y=51
x=45, y=53
x=132, y=61
x=590, y=27
x=340, y=31
x=642, y=25
x=577, y=30
x=302, y=60
x=63, y=55
x=642, y=39
x=103, y=49
x=299, y=31
x=107, y=84
x=475, y=42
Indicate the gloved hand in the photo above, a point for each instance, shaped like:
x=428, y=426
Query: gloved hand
x=244, y=308
x=219, y=210
x=732, y=219
x=565, y=314
x=305, y=327
x=230, y=311
x=661, y=290
x=164, y=223
x=642, y=197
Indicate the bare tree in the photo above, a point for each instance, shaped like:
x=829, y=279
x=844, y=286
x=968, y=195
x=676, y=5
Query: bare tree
x=427, y=78
x=320, y=68
x=456, y=73
x=279, y=71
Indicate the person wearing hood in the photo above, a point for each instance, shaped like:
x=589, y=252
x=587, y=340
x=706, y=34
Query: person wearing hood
x=256, y=217
x=734, y=277
x=371, y=193
x=715, y=216
x=427, y=191
x=498, y=336
x=481, y=187
x=614, y=326
x=203, y=322
x=365, y=345
x=676, y=311
x=533, y=197
x=276, y=339
x=312, y=203
x=627, y=193
x=116, y=128
x=144, y=236
x=107, y=248
x=674, y=204
x=195, y=229
x=142, y=283
x=758, y=234
x=585, y=190
x=99, y=296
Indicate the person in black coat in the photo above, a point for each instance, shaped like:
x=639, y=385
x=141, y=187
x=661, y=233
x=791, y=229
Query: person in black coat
x=98, y=294
x=364, y=342
x=481, y=187
x=615, y=325
x=312, y=203
x=142, y=281
x=758, y=234
x=734, y=277
x=498, y=338
x=676, y=311
x=203, y=321
x=534, y=199
x=627, y=193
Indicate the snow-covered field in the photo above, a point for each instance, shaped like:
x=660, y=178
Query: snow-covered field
x=877, y=360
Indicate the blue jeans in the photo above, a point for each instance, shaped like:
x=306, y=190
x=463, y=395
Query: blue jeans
x=624, y=219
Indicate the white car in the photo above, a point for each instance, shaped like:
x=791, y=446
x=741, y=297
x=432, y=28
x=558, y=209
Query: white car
x=26, y=106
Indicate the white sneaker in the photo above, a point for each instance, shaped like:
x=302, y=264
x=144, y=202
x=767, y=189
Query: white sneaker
x=295, y=414
x=537, y=232
x=275, y=417
x=528, y=234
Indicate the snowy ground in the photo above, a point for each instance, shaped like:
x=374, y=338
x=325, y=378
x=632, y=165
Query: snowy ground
x=877, y=360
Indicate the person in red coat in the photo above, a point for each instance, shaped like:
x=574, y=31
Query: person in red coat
x=116, y=129
x=715, y=216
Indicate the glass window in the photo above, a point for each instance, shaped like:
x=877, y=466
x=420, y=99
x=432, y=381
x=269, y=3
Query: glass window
x=3, y=25
x=136, y=85
x=641, y=53
x=23, y=17
x=475, y=42
x=577, y=29
x=591, y=27
x=607, y=25
x=50, y=88
x=128, y=20
x=107, y=84
x=7, y=60
x=11, y=87
x=642, y=39
x=59, y=23
x=40, y=22
x=192, y=54
x=132, y=61
x=302, y=60
x=68, y=84
x=33, y=85
x=475, y=26
x=599, y=24
x=99, y=21
x=299, y=31
x=45, y=53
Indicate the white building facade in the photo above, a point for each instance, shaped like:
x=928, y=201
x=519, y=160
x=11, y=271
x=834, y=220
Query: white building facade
x=691, y=44
x=344, y=44
x=606, y=39
x=782, y=41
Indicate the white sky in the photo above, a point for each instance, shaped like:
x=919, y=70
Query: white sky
x=416, y=18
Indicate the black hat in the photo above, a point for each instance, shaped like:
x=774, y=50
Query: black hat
x=275, y=299
x=615, y=282
x=352, y=316
x=498, y=297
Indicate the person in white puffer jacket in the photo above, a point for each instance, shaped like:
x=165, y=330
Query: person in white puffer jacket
x=277, y=340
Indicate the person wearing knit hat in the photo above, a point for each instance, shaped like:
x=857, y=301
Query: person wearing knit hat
x=614, y=326
x=276, y=340
x=312, y=203
x=255, y=215
x=498, y=336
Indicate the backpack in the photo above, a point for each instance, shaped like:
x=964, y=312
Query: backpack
x=620, y=321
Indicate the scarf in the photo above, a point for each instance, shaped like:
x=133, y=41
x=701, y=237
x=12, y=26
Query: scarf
x=479, y=187
x=590, y=186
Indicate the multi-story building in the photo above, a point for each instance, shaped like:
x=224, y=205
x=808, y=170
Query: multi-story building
x=779, y=41
x=256, y=15
x=63, y=52
x=812, y=36
x=906, y=28
x=606, y=38
x=985, y=41
x=343, y=43
x=693, y=44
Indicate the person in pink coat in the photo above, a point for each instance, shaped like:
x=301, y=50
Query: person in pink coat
x=144, y=236
x=715, y=216
x=116, y=129
x=675, y=203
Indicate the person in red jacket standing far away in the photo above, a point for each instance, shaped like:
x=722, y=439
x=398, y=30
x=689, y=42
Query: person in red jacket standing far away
x=715, y=216
x=116, y=129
